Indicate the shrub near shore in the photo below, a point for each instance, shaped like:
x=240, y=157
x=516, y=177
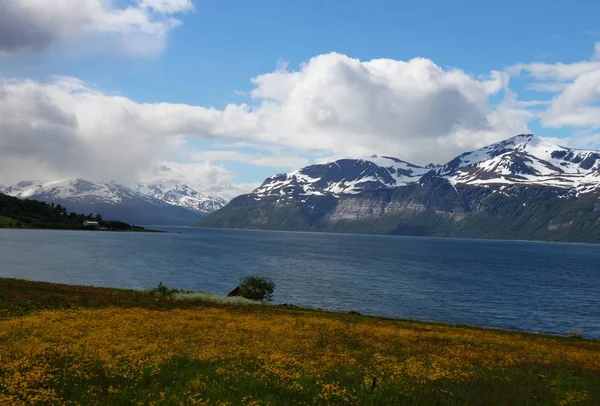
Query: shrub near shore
x=242, y=355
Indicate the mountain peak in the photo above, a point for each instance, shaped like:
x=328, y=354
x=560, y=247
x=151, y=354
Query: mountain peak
x=184, y=196
x=525, y=159
x=531, y=142
x=342, y=176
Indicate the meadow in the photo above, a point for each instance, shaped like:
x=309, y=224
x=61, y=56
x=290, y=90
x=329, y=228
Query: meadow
x=79, y=345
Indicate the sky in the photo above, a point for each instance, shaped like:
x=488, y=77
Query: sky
x=221, y=94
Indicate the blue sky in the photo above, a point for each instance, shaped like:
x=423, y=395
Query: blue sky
x=150, y=82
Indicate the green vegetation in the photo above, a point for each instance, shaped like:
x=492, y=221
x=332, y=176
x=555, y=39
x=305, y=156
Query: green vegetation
x=211, y=298
x=576, y=334
x=163, y=291
x=17, y=213
x=257, y=288
x=83, y=345
x=6, y=221
x=109, y=346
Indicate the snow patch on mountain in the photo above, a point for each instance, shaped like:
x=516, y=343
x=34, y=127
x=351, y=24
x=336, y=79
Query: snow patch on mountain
x=525, y=159
x=342, y=176
x=183, y=196
x=76, y=190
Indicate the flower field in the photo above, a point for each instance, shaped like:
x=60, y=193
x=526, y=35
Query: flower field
x=205, y=354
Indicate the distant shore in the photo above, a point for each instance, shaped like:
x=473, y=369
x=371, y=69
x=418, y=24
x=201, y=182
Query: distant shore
x=134, y=229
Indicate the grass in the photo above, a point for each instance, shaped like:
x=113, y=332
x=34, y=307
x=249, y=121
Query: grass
x=80, y=345
x=162, y=291
x=6, y=221
x=211, y=298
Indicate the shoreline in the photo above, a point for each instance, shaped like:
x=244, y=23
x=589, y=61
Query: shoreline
x=96, y=345
x=290, y=307
x=147, y=230
x=436, y=237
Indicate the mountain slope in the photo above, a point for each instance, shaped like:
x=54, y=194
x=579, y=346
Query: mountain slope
x=114, y=201
x=184, y=196
x=432, y=208
x=25, y=213
x=344, y=176
x=527, y=159
x=524, y=188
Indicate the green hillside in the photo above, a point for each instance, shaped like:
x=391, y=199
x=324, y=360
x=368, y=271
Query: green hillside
x=432, y=208
x=17, y=213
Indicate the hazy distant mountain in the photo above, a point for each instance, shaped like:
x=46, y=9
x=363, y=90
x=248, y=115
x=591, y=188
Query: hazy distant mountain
x=111, y=199
x=184, y=196
x=524, y=187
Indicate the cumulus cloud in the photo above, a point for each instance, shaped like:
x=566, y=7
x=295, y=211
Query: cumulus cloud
x=412, y=109
x=560, y=72
x=203, y=176
x=576, y=105
x=257, y=159
x=167, y=6
x=56, y=130
x=66, y=129
x=331, y=105
x=577, y=88
x=583, y=139
x=139, y=28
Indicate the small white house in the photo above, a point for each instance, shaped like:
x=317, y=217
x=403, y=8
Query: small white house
x=89, y=223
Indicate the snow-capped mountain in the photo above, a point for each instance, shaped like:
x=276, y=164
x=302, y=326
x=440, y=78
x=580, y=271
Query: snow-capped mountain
x=183, y=196
x=525, y=187
x=110, y=199
x=76, y=190
x=526, y=159
x=523, y=159
x=343, y=176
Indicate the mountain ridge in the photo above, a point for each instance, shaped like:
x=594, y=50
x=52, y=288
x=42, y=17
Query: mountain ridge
x=117, y=201
x=183, y=196
x=524, y=187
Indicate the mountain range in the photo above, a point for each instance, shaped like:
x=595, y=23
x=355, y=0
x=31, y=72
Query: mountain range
x=525, y=187
x=147, y=204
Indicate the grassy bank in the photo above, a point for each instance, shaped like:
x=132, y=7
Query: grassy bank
x=61, y=344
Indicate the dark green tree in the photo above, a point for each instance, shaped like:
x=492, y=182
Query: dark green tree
x=257, y=288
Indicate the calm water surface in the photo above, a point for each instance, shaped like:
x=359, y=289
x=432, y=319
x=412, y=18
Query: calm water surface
x=541, y=287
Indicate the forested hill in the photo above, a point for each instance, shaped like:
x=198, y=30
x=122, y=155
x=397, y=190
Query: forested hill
x=17, y=213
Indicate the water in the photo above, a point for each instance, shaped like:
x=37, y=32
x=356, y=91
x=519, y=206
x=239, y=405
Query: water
x=541, y=287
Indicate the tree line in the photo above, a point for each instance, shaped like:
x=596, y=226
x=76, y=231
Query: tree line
x=17, y=213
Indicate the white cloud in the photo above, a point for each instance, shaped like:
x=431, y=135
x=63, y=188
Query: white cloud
x=579, y=139
x=350, y=107
x=272, y=161
x=167, y=6
x=577, y=88
x=576, y=105
x=332, y=105
x=560, y=72
x=202, y=176
x=138, y=29
x=66, y=129
x=550, y=87
x=57, y=130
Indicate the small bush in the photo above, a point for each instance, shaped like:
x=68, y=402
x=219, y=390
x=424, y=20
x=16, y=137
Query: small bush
x=163, y=291
x=257, y=288
x=578, y=334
